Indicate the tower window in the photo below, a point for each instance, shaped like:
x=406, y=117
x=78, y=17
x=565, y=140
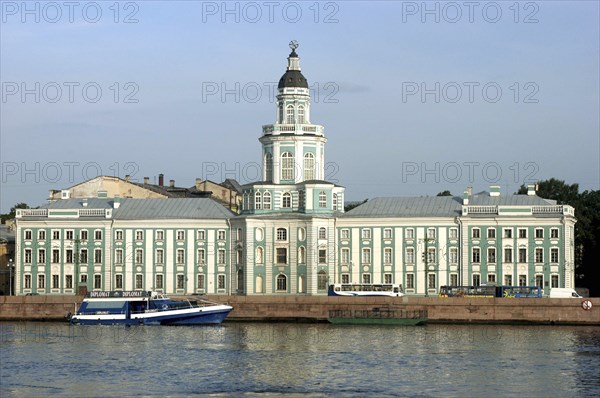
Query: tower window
x=301, y=114
x=322, y=200
x=287, y=166
x=268, y=167
x=309, y=166
x=286, y=200
x=290, y=114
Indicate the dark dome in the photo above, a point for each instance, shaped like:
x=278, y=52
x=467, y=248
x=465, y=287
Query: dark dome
x=293, y=78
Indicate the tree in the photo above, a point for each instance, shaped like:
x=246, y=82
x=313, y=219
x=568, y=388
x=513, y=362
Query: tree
x=558, y=190
x=352, y=205
x=13, y=212
x=444, y=193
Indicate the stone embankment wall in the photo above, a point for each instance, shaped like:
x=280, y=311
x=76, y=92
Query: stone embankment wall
x=310, y=308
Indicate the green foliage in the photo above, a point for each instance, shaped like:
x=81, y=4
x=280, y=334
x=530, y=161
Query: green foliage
x=13, y=212
x=444, y=193
x=351, y=205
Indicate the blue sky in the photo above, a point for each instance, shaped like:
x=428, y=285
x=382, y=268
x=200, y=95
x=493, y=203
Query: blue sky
x=416, y=98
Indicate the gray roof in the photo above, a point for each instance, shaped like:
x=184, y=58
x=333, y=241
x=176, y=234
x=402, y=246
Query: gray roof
x=145, y=209
x=438, y=206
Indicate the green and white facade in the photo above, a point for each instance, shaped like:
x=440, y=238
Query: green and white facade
x=292, y=235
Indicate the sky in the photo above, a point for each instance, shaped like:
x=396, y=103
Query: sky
x=416, y=97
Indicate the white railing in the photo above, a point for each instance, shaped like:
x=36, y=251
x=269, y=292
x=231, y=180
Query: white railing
x=33, y=212
x=482, y=209
x=287, y=128
x=91, y=212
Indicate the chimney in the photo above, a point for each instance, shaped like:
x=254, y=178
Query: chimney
x=470, y=190
x=85, y=203
x=466, y=197
x=117, y=203
x=161, y=180
x=495, y=190
x=127, y=177
x=146, y=180
x=172, y=183
x=531, y=190
x=198, y=184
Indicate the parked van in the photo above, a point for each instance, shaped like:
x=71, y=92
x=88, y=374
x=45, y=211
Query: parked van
x=559, y=292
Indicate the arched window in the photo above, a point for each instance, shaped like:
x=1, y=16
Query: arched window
x=240, y=281
x=322, y=233
x=259, y=255
x=246, y=201
x=322, y=280
x=301, y=114
x=322, y=200
x=281, y=234
x=281, y=283
x=309, y=166
x=301, y=255
x=268, y=167
x=287, y=166
x=267, y=201
x=281, y=115
x=335, y=201
x=286, y=200
x=258, y=201
x=290, y=114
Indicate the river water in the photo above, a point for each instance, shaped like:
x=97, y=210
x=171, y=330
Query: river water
x=267, y=359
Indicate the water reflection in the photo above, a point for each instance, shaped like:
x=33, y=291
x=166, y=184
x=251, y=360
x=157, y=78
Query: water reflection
x=315, y=359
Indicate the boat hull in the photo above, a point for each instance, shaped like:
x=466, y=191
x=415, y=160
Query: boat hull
x=206, y=317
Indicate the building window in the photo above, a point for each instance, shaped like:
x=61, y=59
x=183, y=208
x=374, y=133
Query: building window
x=508, y=233
x=301, y=114
x=491, y=233
x=476, y=280
x=119, y=235
x=180, y=234
x=200, y=234
x=366, y=255
x=322, y=280
x=431, y=233
x=68, y=281
x=281, y=283
x=431, y=255
x=287, y=166
x=491, y=278
x=522, y=280
x=322, y=256
x=345, y=256
x=345, y=234
x=410, y=233
x=387, y=256
x=139, y=235
x=41, y=234
x=83, y=234
x=160, y=256
x=554, y=233
x=281, y=253
x=453, y=233
x=309, y=166
x=55, y=235
x=539, y=281
x=41, y=281
x=180, y=256
x=366, y=233
x=410, y=255
x=508, y=255
x=289, y=114
x=55, y=282
x=221, y=234
x=158, y=281
x=345, y=278
x=83, y=278
x=267, y=201
x=410, y=281
x=28, y=234
x=139, y=256
x=160, y=235
x=539, y=233
x=322, y=200
x=366, y=279
x=539, y=255
x=508, y=280
x=491, y=255
x=259, y=255
x=83, y=256
x=97, y=234
x=322, y=233
x=200, y=256
x=431, y=281
x=257, y=201
x=301, y=255
x=522, y=255
x=97, y=281
x=522, y=233
x=220, y=281
x=335, y=201
x=41, y=256
x=268, y=167
x=453, y=255
x=119, y=281
x=476, y=255
x=554, y=255
x=221, y=257
x=554, y=280
x=281, y=234
x=453, y=279
x=69, y=234
x=27, y=256
x=139, y=281
x=286, y=200
x=475, y=233
x=180, y=281
x=119, y=256
x=55, y=256
x=387, y=233
x=387, y=278
x=200, y=281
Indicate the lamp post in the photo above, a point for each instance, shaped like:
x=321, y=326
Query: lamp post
x=10, y=277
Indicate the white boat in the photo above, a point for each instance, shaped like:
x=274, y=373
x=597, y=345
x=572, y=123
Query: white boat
x=146, y=308
x=347, y=289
